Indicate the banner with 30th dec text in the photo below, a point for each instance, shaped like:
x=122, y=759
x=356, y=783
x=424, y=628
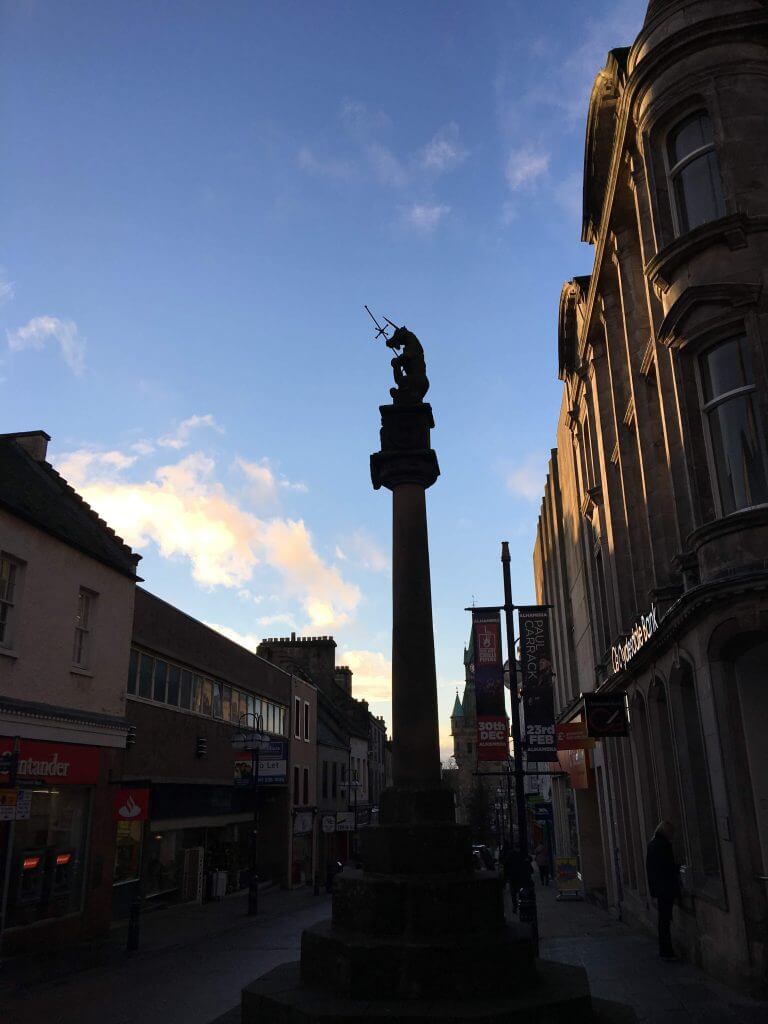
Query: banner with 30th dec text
x=492, y=738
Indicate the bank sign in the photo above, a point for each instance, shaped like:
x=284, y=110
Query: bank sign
x=623, y=652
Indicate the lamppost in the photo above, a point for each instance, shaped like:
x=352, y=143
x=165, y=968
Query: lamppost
x=354, y=785
x=252, y=737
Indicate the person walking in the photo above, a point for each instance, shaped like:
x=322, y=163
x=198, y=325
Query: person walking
x=542, y=861
x=663, y=882
x=517, y=872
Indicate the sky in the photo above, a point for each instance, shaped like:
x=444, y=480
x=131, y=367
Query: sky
x=198, y=199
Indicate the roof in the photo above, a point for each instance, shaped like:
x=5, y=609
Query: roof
x=31, y=489
x=458, y=711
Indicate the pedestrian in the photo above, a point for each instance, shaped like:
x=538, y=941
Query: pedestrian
x=542, y=861
x=663, y=882
x=517, y=872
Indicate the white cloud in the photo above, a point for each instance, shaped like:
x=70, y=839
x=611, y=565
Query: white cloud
x=142, y=448
x=180, y=437
x=425, y=217
x=363, y=551
x=189, y=515
x=363, y=123
x=372, y=674
x=6, y=287
x=444, y=151
x=42, y=329
x=527, y=480
x=327, y=167
x=525, y=166
x=265, y=486
x=248, y=640
x=78, y=465
x=385, y=165
x=274, y=620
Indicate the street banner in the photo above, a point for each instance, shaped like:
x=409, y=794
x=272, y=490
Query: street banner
x=538, y=696
x=492, y=730
x=573, y=736
x=606, y=714
x=567, y=875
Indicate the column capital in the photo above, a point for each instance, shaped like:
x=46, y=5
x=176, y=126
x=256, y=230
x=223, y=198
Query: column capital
x=405, y=456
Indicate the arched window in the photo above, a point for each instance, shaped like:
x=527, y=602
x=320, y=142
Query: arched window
x=727, y=386
x=694, y=175
x=750, y=677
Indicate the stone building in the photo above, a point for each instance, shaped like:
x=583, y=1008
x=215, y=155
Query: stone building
x=66, y=610
x=653, y=536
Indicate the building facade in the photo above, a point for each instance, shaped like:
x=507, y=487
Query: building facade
x=652, y=542
x=66, y=609
x=190, y=691
x=303, y=762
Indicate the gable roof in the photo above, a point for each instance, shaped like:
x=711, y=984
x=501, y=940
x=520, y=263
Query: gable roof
x=31, y=489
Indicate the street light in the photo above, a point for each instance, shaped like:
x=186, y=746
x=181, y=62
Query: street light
x=252, y=737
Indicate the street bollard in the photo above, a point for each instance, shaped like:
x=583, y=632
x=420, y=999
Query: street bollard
x=253, y=895
x=134, y=926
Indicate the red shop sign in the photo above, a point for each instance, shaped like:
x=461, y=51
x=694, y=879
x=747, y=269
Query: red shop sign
x=131, y=804
x=66, y=764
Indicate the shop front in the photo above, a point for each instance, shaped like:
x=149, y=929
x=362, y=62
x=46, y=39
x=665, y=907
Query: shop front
x=47, y=841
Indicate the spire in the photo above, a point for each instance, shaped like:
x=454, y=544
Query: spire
x=458, y=711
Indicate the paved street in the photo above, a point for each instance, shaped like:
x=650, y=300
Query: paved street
x=195, y=959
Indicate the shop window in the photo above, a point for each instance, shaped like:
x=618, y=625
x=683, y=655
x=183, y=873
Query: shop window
x=728, y=405
x=128, y=852
x=295, y=785
x=83, y=620
x=306, y=721
x=160, y=680
x=694, y=175
x=174, y=679
x=133, y=668
x=185, y=694
x=146, y=665
x=9, y=571
x=305, y=787
x=163, y=862
x=48, y=856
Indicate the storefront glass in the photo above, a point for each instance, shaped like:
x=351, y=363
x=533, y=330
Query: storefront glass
x=49, y=854
x=128, y=851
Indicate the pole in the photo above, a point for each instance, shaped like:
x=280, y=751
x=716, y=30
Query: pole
x=522, y=821
x=253, y=885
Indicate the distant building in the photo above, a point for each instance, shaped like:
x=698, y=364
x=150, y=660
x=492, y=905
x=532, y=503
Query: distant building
x=66, y=611
x=653, y=533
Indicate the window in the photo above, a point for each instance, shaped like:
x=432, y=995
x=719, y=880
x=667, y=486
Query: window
x=217, y=700
x=295, y=784
x=161, y=673
x=8, y=572
x=185, y=698
x=197, y=693
x=305, y=787
x=226, y=703
x=334, y=779
x=145, y=676
x=83, y=617
x=325, y=780
x=694, y=175
x=727, y=385
x=174, y=675
x=297, y=717
x=306, y=721
x=127, y=852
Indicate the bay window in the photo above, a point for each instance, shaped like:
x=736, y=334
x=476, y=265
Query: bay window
x=694, y=175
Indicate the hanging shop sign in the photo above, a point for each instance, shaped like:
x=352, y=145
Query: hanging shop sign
x=39, y=761
x=538, y=697
x=328, y=823
x=574, y=763
x=606, y=714
x=492, y=730
x=131, y=804
x=642, y=631
x=573, y=736
x=345, y=821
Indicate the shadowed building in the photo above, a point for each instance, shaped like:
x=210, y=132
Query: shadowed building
x=653, y=533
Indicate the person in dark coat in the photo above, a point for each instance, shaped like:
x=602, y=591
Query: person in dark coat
x=663, y=882
x=518, y=873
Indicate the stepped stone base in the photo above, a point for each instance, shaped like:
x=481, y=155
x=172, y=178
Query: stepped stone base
x=560, y=997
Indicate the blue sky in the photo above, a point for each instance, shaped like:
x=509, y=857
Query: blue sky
x=198, y=198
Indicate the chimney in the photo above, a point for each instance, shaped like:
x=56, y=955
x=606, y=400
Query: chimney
x=34, y=442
